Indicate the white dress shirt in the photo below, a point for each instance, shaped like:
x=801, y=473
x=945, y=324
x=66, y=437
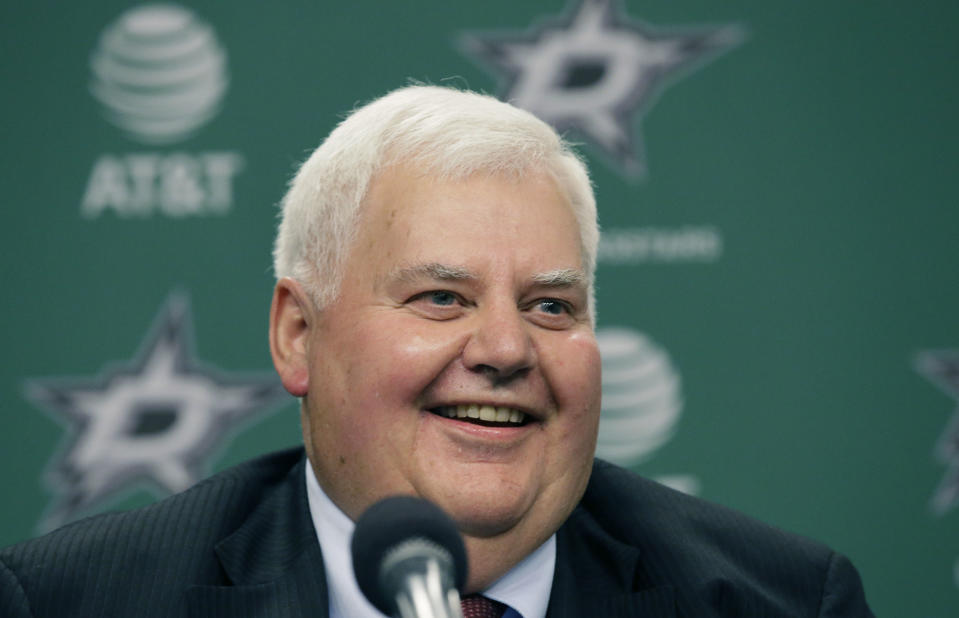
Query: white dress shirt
x=525, y=588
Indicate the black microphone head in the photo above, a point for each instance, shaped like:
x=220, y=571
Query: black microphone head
x=393, y=522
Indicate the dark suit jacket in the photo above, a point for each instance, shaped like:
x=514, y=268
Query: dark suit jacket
x=242, y=544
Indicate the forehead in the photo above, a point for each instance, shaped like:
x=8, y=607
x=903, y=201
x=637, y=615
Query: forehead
x=413, y=196
x=411, y=218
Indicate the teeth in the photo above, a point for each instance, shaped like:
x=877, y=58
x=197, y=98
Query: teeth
x=501, y=414
x=487, y=413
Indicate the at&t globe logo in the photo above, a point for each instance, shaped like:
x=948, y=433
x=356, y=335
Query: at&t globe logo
x=641, y=396
x=642, y=401
x=159, y=73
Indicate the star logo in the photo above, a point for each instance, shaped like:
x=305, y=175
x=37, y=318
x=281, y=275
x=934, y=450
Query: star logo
x=941, y=367
x=594, y=71
x=152, y=422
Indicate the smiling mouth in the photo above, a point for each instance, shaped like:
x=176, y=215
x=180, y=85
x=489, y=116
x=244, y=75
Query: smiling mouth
x=489, y=416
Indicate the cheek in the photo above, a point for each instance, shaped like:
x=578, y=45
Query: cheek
x=389, y=370
x=575, y=373
x=576, y=383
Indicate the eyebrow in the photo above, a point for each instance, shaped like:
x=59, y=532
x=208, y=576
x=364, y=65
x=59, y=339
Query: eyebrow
x=432, y=270
x=559, y=278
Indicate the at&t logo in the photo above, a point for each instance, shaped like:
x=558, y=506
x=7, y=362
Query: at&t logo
x=642, y=402
x=160, y=75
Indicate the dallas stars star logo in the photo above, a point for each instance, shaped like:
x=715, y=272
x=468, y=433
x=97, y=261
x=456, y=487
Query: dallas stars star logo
x=595, y=70
x=150, y=423
x=942, y=369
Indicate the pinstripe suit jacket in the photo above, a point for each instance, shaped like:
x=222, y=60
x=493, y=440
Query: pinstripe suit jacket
x=242, y=544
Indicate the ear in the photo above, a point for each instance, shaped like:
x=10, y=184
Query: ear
x=291, y=315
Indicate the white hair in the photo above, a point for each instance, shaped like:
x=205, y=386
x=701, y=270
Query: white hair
x=445, y=132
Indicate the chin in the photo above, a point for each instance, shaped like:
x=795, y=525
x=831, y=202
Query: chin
x=485, y=515
x=485, y=525
x=485, y=500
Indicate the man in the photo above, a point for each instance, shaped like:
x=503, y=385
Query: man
x=434, y=313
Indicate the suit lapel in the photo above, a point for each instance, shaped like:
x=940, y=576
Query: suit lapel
x=597, y=575
x=272, y=561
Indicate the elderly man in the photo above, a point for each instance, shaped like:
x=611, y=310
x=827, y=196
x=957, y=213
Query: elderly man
x=434, y=314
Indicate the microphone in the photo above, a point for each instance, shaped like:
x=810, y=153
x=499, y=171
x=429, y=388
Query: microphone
x=409, y=559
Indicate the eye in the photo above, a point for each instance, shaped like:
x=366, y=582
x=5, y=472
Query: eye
x=437, y=304
x=553, y=306
x=552, y=313
x=440, y=297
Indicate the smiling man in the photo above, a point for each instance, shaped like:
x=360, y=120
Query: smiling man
x=453, y=356
x=434, y=314
x=457, y=362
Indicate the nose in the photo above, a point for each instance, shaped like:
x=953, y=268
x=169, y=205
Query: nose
x=500, y=346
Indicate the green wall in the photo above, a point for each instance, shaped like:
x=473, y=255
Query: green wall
x=778, y=297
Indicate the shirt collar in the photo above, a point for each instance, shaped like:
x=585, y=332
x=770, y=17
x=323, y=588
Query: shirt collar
x=525, y=588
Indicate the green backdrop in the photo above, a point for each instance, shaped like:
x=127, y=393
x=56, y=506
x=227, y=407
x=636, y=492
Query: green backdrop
x=777, y=289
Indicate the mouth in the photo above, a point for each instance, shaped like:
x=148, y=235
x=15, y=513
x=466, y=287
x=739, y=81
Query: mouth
x=484, y=415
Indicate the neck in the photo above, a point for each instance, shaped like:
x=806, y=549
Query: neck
x=490, y=558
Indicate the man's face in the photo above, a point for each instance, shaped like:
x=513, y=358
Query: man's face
x=458, y=297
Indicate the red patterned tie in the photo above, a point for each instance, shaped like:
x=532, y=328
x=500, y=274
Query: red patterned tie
x=478, y=606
